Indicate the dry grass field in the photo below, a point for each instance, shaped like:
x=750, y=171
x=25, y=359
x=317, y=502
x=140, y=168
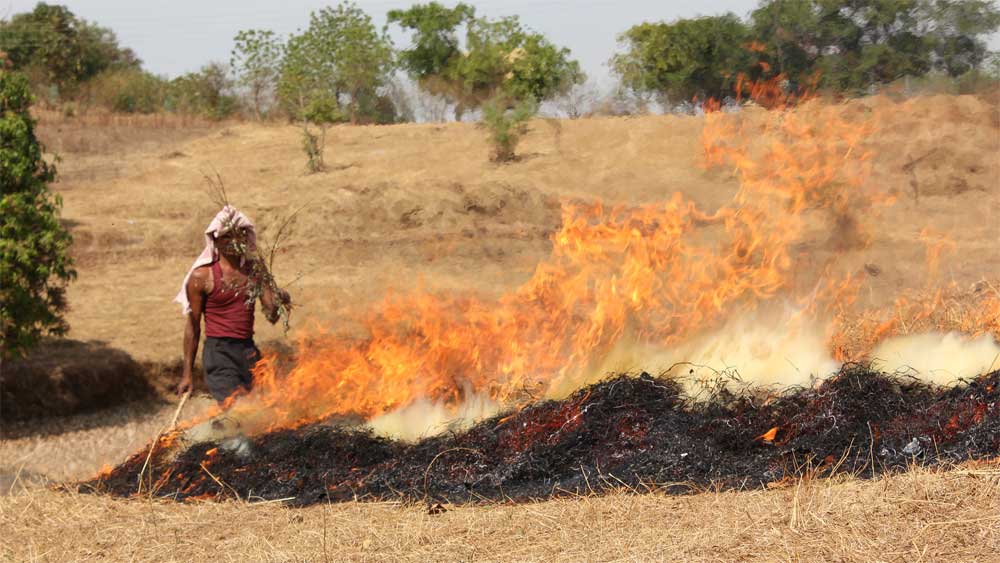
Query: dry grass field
x=410, y=205
x=918, y=516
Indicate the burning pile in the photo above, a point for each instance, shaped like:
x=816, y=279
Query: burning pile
x=637, y=432
x=655, y=276
x=663, y=287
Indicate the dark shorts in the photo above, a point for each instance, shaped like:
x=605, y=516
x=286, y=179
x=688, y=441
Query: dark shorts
x=227, y=363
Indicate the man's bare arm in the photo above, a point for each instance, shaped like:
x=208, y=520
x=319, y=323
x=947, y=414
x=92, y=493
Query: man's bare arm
x=192, y=327
x=269, y=304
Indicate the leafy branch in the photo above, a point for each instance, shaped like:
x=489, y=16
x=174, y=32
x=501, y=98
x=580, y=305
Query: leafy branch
x=260, y=278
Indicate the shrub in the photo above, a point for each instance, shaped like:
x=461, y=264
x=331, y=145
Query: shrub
x=322, y=112
x=313, y=147
x=206, y=92
x=127, y=91
x=34, y=247
x=506, y=125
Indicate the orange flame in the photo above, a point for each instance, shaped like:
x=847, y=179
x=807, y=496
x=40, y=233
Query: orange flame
x=974, y=312
x=768, y=436
x=935, y=244
x=657, y=273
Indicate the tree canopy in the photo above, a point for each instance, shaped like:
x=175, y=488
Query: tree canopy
x=34, y=246
x=688, y=58
x=256, y=62
x=863, y=42
x=436, y=42
x=848, y=44
x=495, y=57
x=55, y=47
x=461, y=59
x=340, y=54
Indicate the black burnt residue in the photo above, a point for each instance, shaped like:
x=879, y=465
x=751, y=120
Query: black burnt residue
x=637, y=432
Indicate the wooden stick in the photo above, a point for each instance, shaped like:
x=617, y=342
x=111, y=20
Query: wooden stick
x=152, y=445
x=177, y=413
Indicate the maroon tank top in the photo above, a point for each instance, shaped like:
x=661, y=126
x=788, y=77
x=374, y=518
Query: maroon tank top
x=227, y=314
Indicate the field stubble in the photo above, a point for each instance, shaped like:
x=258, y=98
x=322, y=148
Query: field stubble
x=921, y=515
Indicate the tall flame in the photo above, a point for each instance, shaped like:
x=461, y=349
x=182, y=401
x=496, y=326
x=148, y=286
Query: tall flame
x=659, y=274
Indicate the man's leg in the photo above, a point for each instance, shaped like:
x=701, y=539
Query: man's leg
x=225, y=363
x=250, y=355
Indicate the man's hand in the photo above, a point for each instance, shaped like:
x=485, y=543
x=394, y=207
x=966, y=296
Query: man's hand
x=273, y=301
x=185, y=385
x=284, y=298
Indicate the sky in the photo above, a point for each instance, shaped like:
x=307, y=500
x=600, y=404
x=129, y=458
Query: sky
x=177, y=36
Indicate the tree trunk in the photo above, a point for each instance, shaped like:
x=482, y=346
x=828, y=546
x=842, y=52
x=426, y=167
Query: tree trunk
x=354, y=108
x=256, y=100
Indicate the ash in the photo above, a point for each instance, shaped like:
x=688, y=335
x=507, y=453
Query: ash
x=625, y=432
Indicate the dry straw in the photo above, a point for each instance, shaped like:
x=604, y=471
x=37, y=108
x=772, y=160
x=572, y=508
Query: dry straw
x=922, y=515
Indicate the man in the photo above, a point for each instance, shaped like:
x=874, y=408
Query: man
x=223, y=284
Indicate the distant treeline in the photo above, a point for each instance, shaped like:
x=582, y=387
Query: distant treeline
x=342, y=68
x=837, y=45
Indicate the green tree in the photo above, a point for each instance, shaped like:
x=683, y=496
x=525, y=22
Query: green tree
x=435, y=38
x=341, y=56
x=501, y=59
x=958, y=33
x=309, y=91
x=538, y=70
x=321, y=113
x=256, y=61
x=364, y=57
x=888, y=44
x=480, y=72
x=305, y=75
x=856, y=43
x=51, y=43
x=684, y=59
x=793, y=34
x=34, y=246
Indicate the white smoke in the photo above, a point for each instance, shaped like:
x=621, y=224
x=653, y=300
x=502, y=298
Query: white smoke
x=766, y=348
x=424, y=418
x=938, y=358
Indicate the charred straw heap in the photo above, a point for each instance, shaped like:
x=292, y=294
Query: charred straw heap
x=638, y=432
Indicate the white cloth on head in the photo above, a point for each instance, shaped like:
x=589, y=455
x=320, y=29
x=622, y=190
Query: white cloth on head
x=225, y=220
